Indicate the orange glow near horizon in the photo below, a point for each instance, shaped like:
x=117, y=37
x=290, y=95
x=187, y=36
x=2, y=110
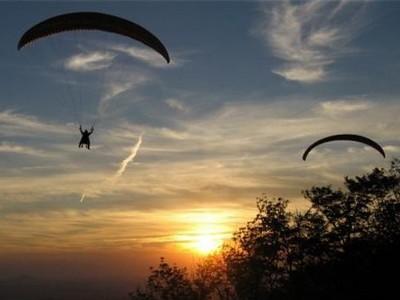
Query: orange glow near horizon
x=207, y=233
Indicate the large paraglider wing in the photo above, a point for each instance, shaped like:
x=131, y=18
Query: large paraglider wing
x=93, y=21
x=345, y=137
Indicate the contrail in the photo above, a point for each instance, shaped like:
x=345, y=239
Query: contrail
x=127, y=160
x=124, y=164
x=83, y=197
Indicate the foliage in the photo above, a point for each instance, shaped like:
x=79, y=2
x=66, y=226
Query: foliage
x=211, y=281
x=167, y=283
x=343, y=247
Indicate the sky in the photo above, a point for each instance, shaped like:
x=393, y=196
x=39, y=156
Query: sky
x=181, y=151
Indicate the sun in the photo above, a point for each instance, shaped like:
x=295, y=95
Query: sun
x=204, y=232
x=207, y=243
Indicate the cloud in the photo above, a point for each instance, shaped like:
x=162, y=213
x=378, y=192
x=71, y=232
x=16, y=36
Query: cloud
x=118, y=85
x=18, y=149
x=13, y=123
x=176, y=104
x=343, y=106
x=237, y=147
x=225, y=158
x=172, y=134
x=148, y=56
x=90, y=61
x=304, y=74
x=308, y=37
x=392, y=148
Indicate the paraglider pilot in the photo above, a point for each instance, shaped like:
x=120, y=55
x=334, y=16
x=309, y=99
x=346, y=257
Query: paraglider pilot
x=85, y=137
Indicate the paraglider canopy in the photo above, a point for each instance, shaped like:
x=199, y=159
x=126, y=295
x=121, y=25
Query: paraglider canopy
x=345, y=137
x=76, y=83
x=93, y=21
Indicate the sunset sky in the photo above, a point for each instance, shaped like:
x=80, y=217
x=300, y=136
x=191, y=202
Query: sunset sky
x=181, y=150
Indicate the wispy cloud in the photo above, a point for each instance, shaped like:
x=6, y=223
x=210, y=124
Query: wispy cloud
x=343, y=106
x=13, y=123
x=392, y=148
x=91, y=61
x=118, y=85
x=18, y=149
x=224, y=157
x=238, y=147
x=177, y=104
x=308, y=36
x=148, y=56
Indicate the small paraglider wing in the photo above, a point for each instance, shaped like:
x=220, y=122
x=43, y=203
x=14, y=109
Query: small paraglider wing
x=345, y=137
x=93, y=21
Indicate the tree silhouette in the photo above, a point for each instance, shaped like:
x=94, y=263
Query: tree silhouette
x=166, y=283
x=210, y=279
x=346, y=245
